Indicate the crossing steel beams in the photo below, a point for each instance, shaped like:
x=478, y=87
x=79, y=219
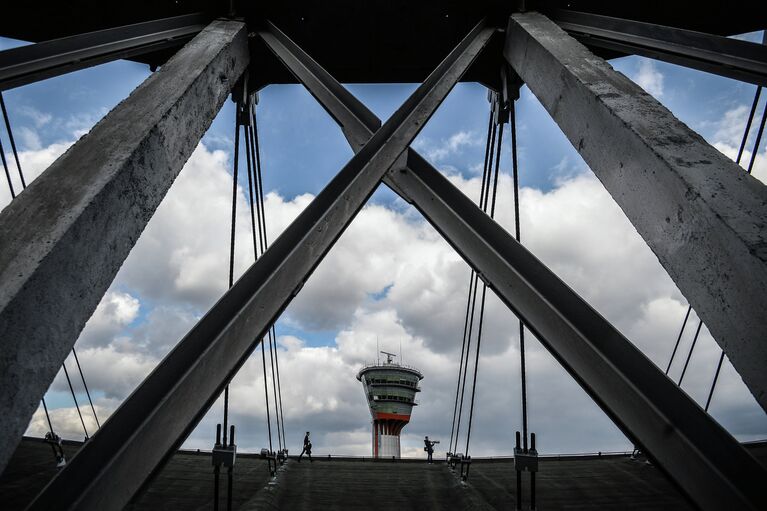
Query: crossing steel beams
x=165, y=408
x=67, y=234
x=71, y=230
x=705, y=219
x=647, y=406
x=733, y=58
x=28, y=64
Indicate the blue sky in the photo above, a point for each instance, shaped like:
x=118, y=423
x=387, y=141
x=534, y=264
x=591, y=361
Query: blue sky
x=302, y=149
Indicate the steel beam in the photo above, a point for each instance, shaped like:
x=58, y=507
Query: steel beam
x=63, y=239
x=733, y=58
x=705, y=219
x=165, y=408
x=28, y=64
x=700, y=456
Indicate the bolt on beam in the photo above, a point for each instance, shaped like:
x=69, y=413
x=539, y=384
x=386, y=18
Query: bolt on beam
x=65, y=237
x=700, y=213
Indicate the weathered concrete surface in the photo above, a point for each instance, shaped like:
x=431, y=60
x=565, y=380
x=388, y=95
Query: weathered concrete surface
x=63, y=239
x=697, y=210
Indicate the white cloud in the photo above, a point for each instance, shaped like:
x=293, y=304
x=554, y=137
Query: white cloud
x=455, y=144
x=648, y=77
x=391, y=279
x=38, y=118
x=29, y=139
x=66, y=422
x=728, y=137
x=115, y=312
x=33, y=163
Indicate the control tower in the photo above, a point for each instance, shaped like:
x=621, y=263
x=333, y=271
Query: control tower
x=390, y=390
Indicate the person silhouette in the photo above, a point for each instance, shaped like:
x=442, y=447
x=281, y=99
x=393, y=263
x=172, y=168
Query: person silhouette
x=429, y=448
x=307, y=448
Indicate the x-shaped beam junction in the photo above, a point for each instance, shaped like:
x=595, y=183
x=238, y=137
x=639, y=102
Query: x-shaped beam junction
x=166, y=407
x=710, y=466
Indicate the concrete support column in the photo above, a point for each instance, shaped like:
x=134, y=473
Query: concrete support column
x=702, y=216
x=64, y=238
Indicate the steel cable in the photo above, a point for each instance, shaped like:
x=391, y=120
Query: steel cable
x=7, y=173
x=689, y=354
x=279, y=389
x=483, y=205
x=262, y=223
x=758, y=141
x=748, y=123
x=468, y=300
x=460, y=363
x=74, y=397
x=517, y=232
x=232, y=244
x=678, y=338
x=13, y=142
x=48, y=416
x=87, y=392
x=254, y=200
x=484, y=291
x=713, y=383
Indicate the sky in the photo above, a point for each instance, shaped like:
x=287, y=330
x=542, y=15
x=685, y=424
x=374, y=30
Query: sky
x=390, y=281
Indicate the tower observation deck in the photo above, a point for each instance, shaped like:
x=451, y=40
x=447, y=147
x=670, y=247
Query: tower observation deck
x=390, y=389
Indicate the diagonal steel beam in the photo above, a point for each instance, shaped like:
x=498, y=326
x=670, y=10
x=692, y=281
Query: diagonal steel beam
x=703, y=217
x=165, y=408
x=35, y=62
x=733, y=58
x=64, y=238
x=698, y=454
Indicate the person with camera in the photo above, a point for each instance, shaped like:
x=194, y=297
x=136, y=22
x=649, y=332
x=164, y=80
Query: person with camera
x=429, y=448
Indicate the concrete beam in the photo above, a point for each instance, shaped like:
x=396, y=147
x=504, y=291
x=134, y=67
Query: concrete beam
x=700, y=213
x=65, y=237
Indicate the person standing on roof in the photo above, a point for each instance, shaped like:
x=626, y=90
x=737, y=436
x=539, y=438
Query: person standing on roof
x=307, y=448
x=429, y=448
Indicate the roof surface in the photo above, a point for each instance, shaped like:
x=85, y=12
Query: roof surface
x=186, y=482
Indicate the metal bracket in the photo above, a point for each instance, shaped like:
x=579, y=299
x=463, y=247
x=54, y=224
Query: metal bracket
x=525, y=460
x=225, y=456
x=465, y=466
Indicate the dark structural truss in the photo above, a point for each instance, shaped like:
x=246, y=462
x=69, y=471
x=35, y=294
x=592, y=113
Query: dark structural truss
x=647, y=405
x=28, y=64
x=66, y=220
x=164, y=409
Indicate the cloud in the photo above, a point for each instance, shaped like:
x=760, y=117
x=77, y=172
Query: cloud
x=115, y=312
x=455, y=144
x=29, y=139
x=648, y=77
x=66, y=422
x=728, y=135
x=38, y=118
x=33, y=163
x=391, y=280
